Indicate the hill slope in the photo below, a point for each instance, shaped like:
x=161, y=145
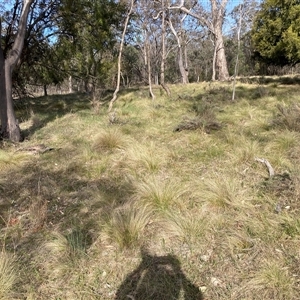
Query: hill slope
x=164, y=200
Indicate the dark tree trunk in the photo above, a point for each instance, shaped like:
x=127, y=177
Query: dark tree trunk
x=45, y=90
x=3, y=101
x=9, y=124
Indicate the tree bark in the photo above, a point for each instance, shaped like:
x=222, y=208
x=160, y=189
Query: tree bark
x=163, y=52
x=148, y=62
x=221, y=63
x=3, y=102
x=70, y=84
x=9, y=125
x=182, y=69
x=238, y=52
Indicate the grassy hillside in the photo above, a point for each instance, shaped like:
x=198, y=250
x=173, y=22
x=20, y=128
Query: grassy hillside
x=165, y=199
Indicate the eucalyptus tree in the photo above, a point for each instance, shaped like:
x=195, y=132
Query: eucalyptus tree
x=148, y=40
x=213, y=20
x=162, y=15
x=243, y=15
x=10, y=52
x=128, y=15
x=39, y=37
x=180, y=37
x=28, y=27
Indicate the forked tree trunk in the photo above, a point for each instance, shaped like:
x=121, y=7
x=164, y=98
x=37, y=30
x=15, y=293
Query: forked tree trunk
x=9, y=125
x=215, y=27
x=182, y=69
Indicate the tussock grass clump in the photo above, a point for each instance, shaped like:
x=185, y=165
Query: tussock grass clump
x=222, y=192
x=109, y=140
x=291, y=226
x=38, y=213
x=239, y=243
x=261, y=226
x=283, y=142
x=244, y=149
x=186, y=226
x=126, y=225
x=159, y=193
x=205, y=118
x=288, y=117
x=64, y=252
x=8, y=275
x=198, y=123
x=272, y=281
x=144, y=158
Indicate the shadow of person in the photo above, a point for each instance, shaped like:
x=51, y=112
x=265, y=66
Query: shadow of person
x=158, y=278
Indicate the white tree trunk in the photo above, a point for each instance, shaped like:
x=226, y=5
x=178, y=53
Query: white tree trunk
x=163, y=52
x=183, y=71
x=214, y=25
x=120, y=57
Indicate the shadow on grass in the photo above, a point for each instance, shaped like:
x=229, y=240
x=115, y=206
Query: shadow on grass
x=47, y=108
x=40, y=198
x=286, y=80
x=158, y=278
x=216, y=98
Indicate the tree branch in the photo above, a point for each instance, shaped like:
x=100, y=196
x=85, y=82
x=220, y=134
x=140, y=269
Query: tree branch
x=267, y=164
x=202, y=20
x=15, y=52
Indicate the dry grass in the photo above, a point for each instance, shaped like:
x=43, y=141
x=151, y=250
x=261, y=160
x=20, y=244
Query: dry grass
x=8, y=275
x=288, y=117
x=125, y=207
x=160, y=193
x=271, y=281
x=126, y=226
x=109, y=140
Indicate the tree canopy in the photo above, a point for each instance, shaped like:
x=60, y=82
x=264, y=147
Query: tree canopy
x=276, y=32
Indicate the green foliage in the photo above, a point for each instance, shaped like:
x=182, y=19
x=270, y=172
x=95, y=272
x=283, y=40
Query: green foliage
x=91, y=28
x=275, y=33
x=37, y=64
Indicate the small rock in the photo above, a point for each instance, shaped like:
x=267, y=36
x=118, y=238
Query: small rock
x=217, y=282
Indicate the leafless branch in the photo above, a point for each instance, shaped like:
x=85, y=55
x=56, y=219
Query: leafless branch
x=267, y=164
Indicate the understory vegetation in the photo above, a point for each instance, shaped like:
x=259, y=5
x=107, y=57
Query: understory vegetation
x=164, y=199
